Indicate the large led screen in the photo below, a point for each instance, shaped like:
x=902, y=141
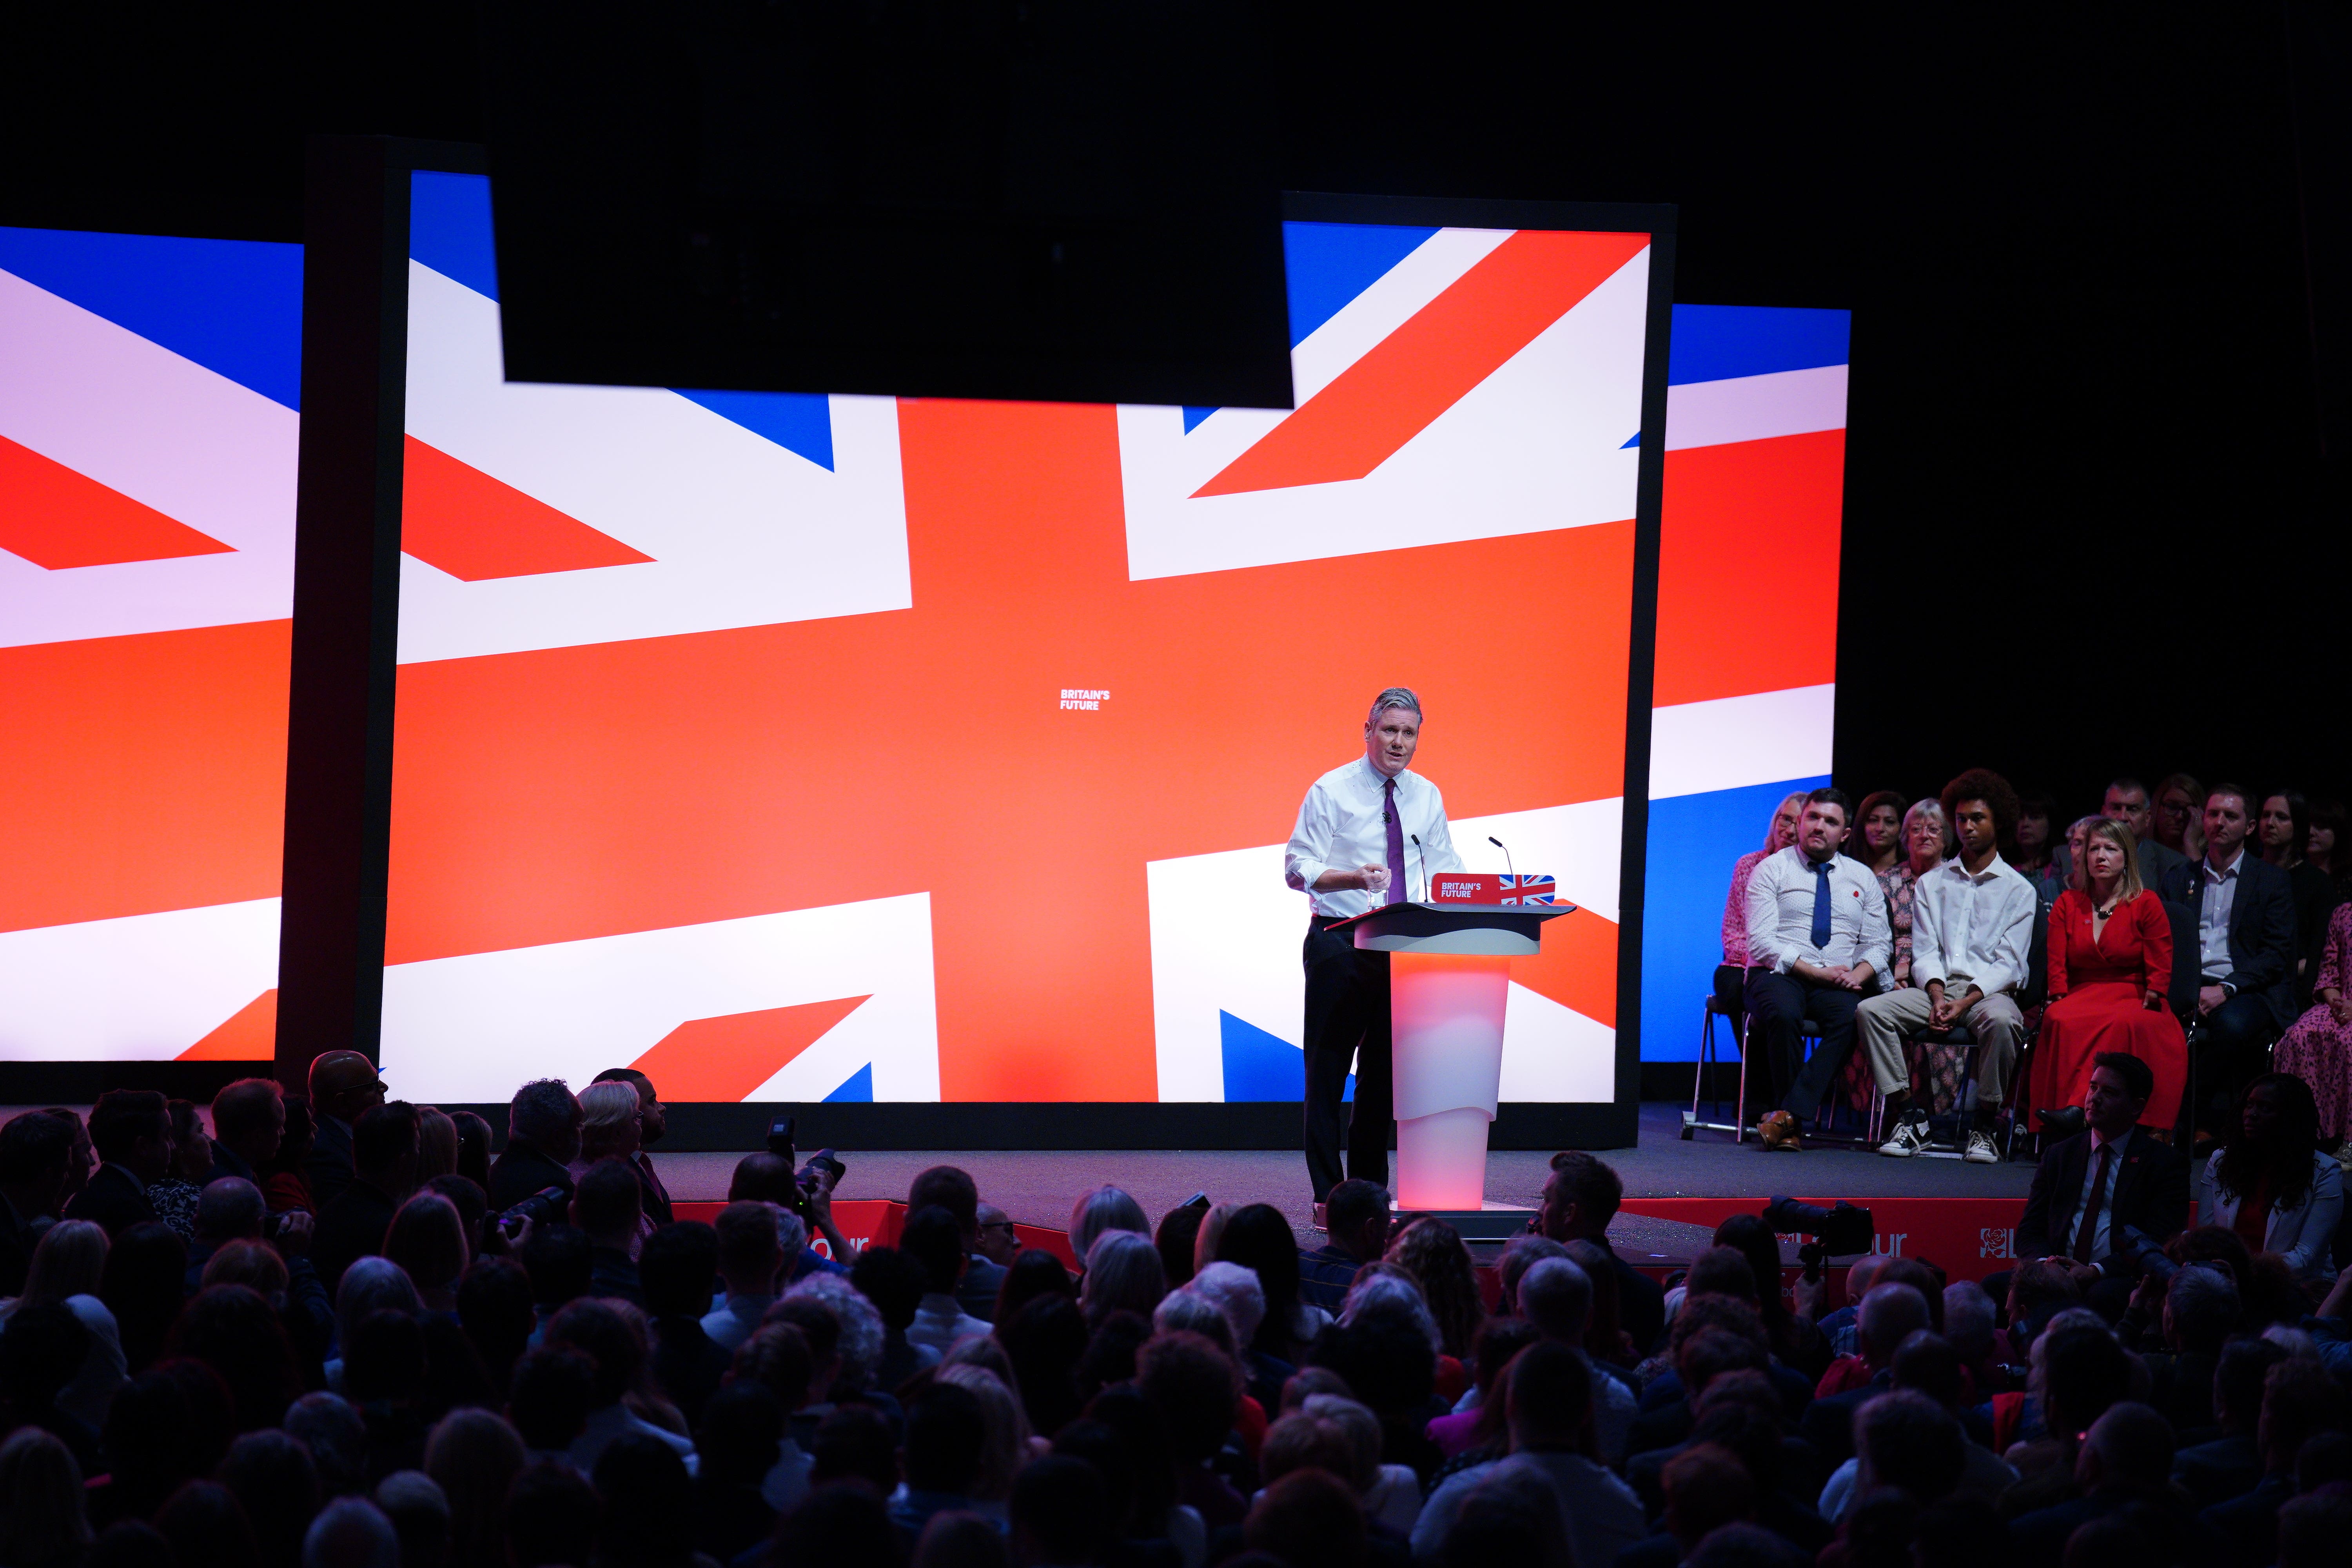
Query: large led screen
x=149, y=389
x=805, y=748
x=1745, y=675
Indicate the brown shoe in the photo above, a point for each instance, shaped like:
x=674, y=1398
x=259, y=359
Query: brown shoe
x=1777, y=1131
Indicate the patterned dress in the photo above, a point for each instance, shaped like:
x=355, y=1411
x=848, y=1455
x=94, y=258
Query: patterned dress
x=2317, y=1049
x=1735, y=909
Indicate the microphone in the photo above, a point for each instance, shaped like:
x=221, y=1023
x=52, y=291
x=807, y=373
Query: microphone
x=1424, y=867
x=1506, y=857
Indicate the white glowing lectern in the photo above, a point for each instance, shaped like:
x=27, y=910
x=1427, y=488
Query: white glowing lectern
x=1449, y=980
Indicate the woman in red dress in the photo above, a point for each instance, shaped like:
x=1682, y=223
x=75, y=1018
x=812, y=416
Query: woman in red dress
x=2110, y=965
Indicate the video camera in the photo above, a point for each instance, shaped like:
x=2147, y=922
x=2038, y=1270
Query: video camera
x=824, y=1168
x=1839, y=1232
x=546, y=1206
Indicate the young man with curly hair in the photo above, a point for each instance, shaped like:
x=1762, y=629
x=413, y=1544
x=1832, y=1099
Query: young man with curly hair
x=1971, y=937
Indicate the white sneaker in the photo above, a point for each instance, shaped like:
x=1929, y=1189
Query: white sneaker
x=1980, y=1149
x=1910, y=1137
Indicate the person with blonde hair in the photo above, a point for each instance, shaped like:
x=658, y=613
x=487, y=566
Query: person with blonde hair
x=1101, y=1211
x=68, y=1264
x=1778, y=836
x=436, y=1144
x=428, y=1240
x=609, y=1130
x=1123, y=1273
x=2110, y=970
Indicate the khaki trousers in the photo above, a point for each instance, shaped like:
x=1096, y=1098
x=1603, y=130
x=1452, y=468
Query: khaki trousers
x=1884, y=1020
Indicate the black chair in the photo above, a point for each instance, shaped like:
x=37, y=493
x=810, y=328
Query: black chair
x=1728, y=1002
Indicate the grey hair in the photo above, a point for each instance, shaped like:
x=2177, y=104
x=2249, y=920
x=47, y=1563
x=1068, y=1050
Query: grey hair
x=861, y=1327
x=1105, y=1209
x=419, y=1511
x=543, y=1113
x=1890, y=1314
x=1123, y=1270
x=229, y=1208
x=1379, y=1292
x=337, y=1437
x=1188, y=1308
x=792, y=1236
x=1237, y=1293
x=350, y=1532
x=1555, y=1295
x=370, y=1284
x=1395, y=697
x=2203, y=1304
x=1935, y=808
x=1969, y=1320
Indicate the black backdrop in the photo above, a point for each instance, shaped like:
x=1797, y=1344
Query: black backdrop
x=2098, y=265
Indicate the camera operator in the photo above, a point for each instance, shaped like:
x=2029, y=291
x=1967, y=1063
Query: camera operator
x=768, y=1178
x=2113, y=1176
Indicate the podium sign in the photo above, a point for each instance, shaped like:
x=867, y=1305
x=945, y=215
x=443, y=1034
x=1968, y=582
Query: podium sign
x=1449, y=986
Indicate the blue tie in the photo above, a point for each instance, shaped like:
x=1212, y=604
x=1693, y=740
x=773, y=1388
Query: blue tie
x=1821, y=904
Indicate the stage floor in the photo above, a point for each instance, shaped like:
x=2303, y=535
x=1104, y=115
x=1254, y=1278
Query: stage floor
x=1038, y=1187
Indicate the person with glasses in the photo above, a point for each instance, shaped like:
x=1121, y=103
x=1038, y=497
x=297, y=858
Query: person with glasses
x=2179, y=802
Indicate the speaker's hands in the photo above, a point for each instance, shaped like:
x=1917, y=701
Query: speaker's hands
x=1376, y=877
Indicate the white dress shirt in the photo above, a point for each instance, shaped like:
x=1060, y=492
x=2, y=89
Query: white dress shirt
x=1972, y=930
x=1339, y=827
x=939, y=1323
x=1781, y=915
x=2213, y=916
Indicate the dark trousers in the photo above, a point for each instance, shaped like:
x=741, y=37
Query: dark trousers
x=1777, y=1006
x=1346, y=1017
x=2231, y=1043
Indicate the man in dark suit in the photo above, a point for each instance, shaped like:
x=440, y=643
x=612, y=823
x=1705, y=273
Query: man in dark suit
x=1579, y=1198
x=542, y=1140
x=132, y=1130
x=343, y=1088
x=2112, y=1176
x=2244, y=909
x=248, y=1125
x=653, y=1121
x=383, y=1149
x=34, y=1146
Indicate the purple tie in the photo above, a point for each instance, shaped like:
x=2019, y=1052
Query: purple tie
x=1395, y=819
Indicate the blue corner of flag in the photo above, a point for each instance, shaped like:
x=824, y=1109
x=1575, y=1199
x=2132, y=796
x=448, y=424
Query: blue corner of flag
x=1193, y=418
x=857, y=1088
x=797, y=421
x=1327, y=264
x=449, y=228
x=1259, y=1066
x=1633, y=440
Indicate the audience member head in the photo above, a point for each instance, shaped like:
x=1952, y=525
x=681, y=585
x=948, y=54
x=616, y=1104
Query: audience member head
x=208, y=1529
x=1000, y=1240
x=2129, y=1449
x=607, y=1336
x=677, y=1268
x=741, y=1433
x=372, y=1284
x=1822, y=828
x=842, y=1524
x=343, y=1085
x=253, y=1264
x=1179, y=1233
x=1908, y=1440
x=1876, y=836
x=647, y=1495
x=1123, y=1275
x=952, y=1189
x=133, y=1128
x=1706, y=1488
x=36, y=1150
x=384, y=1148
x=931, y=1237
x=2202, y=1310
x=1890, y=1314
x=1970, y=1322
x=1356, y=1217
x=232, y=1329
x=2312, y=1529
x=550, y=1396
x=419, y=1512
x=350, y=1532
x=1982, y=810
x=1711, y=1354
x=328, y=1426
x=945, y=1434
x=1781, y=831
x=1724, y=1271
x=2178, y=799
x=1579, y=1197
x=1034, y=1272
x=1236, y=1292
x=1753, y=1239
x=751, y=1254
x=545, y=1117
x=1555, y=1295
x=384, y=1359
x=2299, y=1398
x=301, y=1136
x=893, y=1281
x=69, y=1260
x=1520, y=1254
x=1192, y=1313
x=1046, y=1339
x=2036, y=814
x=1927, y=836
x=2120, y=1085
x=653, y=1116
x=1196, y=1389
x=2272, y=1141
x=777, y=1358
x=1058, y=1513
x=2238, y=1379
x=249, y=1120
x=43, y=1522
x=2106, y=867
x=560, y=1261
x=854, y=1444
x=953, y=1538
x=608, y=1204
x=1259, y=1238
x=763, y=1177
x=1006, y=1430
x=2079, y=1371
x=230, y=1209
x=1106, y=1208
x=859, y=1346
x=428, y=1239
x=608, y=1122
x=436, y=1144
x=1308, y=1517
x=549, y=1516
x=1211, y=1232
x=1549, y=1399
x=277, y=1483
x=1299, y=1440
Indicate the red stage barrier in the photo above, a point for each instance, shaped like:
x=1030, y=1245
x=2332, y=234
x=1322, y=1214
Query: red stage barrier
x=1967, y=1237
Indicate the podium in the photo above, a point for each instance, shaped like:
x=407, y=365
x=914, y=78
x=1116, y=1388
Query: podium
x=1449, y=985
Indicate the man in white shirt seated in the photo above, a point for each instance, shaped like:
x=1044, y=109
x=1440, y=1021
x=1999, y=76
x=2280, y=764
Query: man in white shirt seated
x=932, y=1238
x=1971, y=940
x=1817, y=941
x=754, y=1240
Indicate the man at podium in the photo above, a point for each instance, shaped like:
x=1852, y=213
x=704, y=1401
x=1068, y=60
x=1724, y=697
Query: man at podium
x=1367, y=833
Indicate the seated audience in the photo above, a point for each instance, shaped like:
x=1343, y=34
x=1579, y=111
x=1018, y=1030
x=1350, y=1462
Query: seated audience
x=983, y=1274
x=132, y=1130
x=35, y=1148
x=769, y=1178
x=613, y=1339
x=1580, y=1196
x=174, y=1198
x=2317, y=1047
x=946, y=1433
x=677, y=1267
x=1435, y=1253
x=1257, y=1238
x=343, y=1087
x=2244, y=910
x=1123, y=1275
x=751, y=1256
x=1927, y=1367
x=249, y=1124
x=2283, y=832
x=2094, y=1190
x=383, y=1155
x=608, y=1131
x=934, y=1239
x=1876, y=839
x=436, y=1145
x=2270, y=1183
x=542, y=1140
x=1890, y=1315
x=1777, y=838
x=428, y=1239
x=2032, y=846
x=653, y=1121
x=1927, y=840
x=285, y=1178
x=2179, y=816
x=2110, y=979
x=2127, y=801
x=1356, y=1219
x=2230, y=1464
x=1971, y=937
x=1817, y=940
x=607, y=1209
x=1555, y=1297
